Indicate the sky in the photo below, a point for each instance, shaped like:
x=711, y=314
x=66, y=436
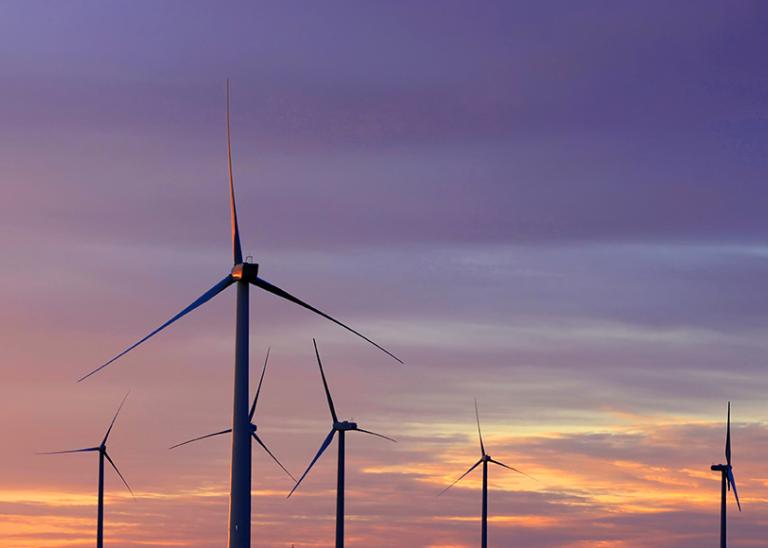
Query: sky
x=557, y=208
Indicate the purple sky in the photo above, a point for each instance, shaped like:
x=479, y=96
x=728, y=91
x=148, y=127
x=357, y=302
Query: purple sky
x=557, y=207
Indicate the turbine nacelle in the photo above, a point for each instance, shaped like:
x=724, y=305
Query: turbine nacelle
x=344, y=425
x=245, y=271
x=486, y=458
x=253, y=428
x=719, y=467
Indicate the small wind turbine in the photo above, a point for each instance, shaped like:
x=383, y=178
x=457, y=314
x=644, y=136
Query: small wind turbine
x=485, y=458
x=243, y=274
x=342, y=427
x=254, y=435
x=727, y=480
x=101, y=449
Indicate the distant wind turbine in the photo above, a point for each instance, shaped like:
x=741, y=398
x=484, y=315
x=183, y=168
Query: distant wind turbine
x=340, y=427
x=485, y=458
x=243, y=275
x=101, y=449
x=727, y=480
x=253, y=427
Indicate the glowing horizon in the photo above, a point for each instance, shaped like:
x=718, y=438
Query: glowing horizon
x=555, y=209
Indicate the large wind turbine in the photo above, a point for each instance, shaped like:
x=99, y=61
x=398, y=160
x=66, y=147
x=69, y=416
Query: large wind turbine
x=727, y=480
x=340, y=427
x=101, y=449
x=243, y=275
x=485, y=458
x=253, y=427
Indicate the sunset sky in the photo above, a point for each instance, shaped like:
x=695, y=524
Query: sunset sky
x=556, y=207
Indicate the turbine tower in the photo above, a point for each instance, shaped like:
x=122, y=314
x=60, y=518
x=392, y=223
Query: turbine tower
x=340, y=427
x=254, y=435
x=485, y=458
x=243, y=275
x=726, y=480
x=101, y=449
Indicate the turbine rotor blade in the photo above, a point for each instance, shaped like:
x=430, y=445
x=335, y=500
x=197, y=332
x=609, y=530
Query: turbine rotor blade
x=119, y=474
x=265, y=285
x=204, y=298
x=236, y=249
x=114, y=419
x=86, y=450
x=732, y=481
x=258, y=390
x=375, y=434
x=325, y=384
x=323, y=447
x=227, y=431
x=513, y=469
x=461, y=477
x=477, y=416
x=274, y=458
x=728, y=438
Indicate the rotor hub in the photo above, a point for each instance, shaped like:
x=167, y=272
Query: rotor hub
x=345, y=425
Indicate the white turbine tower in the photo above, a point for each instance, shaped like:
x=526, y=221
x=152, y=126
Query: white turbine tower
x=340, y=428
x=243, y=275
x=101, y=449
x=485, y=458
x=726, y=482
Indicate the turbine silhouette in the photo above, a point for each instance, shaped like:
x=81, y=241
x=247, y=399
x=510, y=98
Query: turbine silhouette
x=243, y=275
x=101, y=449
x=254, y=435
x=485, y=458
x=340, y=427
x=727, y=480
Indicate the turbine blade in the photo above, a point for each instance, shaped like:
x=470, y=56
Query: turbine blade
x=728, y=438
x=325, y=384
x=258, y=390
x=323, y=447
x=274, y=458
x=204, y=298
x=461, y=477
x=265, y=285
x=477, y=416
x=236, y=249
x=375, y=434
x=513, y=469
x=227, y=431
x=114, y=419
x=732, y=482
x=86, y=450
x=119, y=474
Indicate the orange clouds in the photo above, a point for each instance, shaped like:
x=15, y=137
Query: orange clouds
x=592, y=492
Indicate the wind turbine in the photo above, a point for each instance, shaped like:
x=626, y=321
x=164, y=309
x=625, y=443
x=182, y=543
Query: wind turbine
x=485, y=458
x=243, y=275
x=340, y=427
x=253, y=427
x=101, y=449
x=727, y=480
